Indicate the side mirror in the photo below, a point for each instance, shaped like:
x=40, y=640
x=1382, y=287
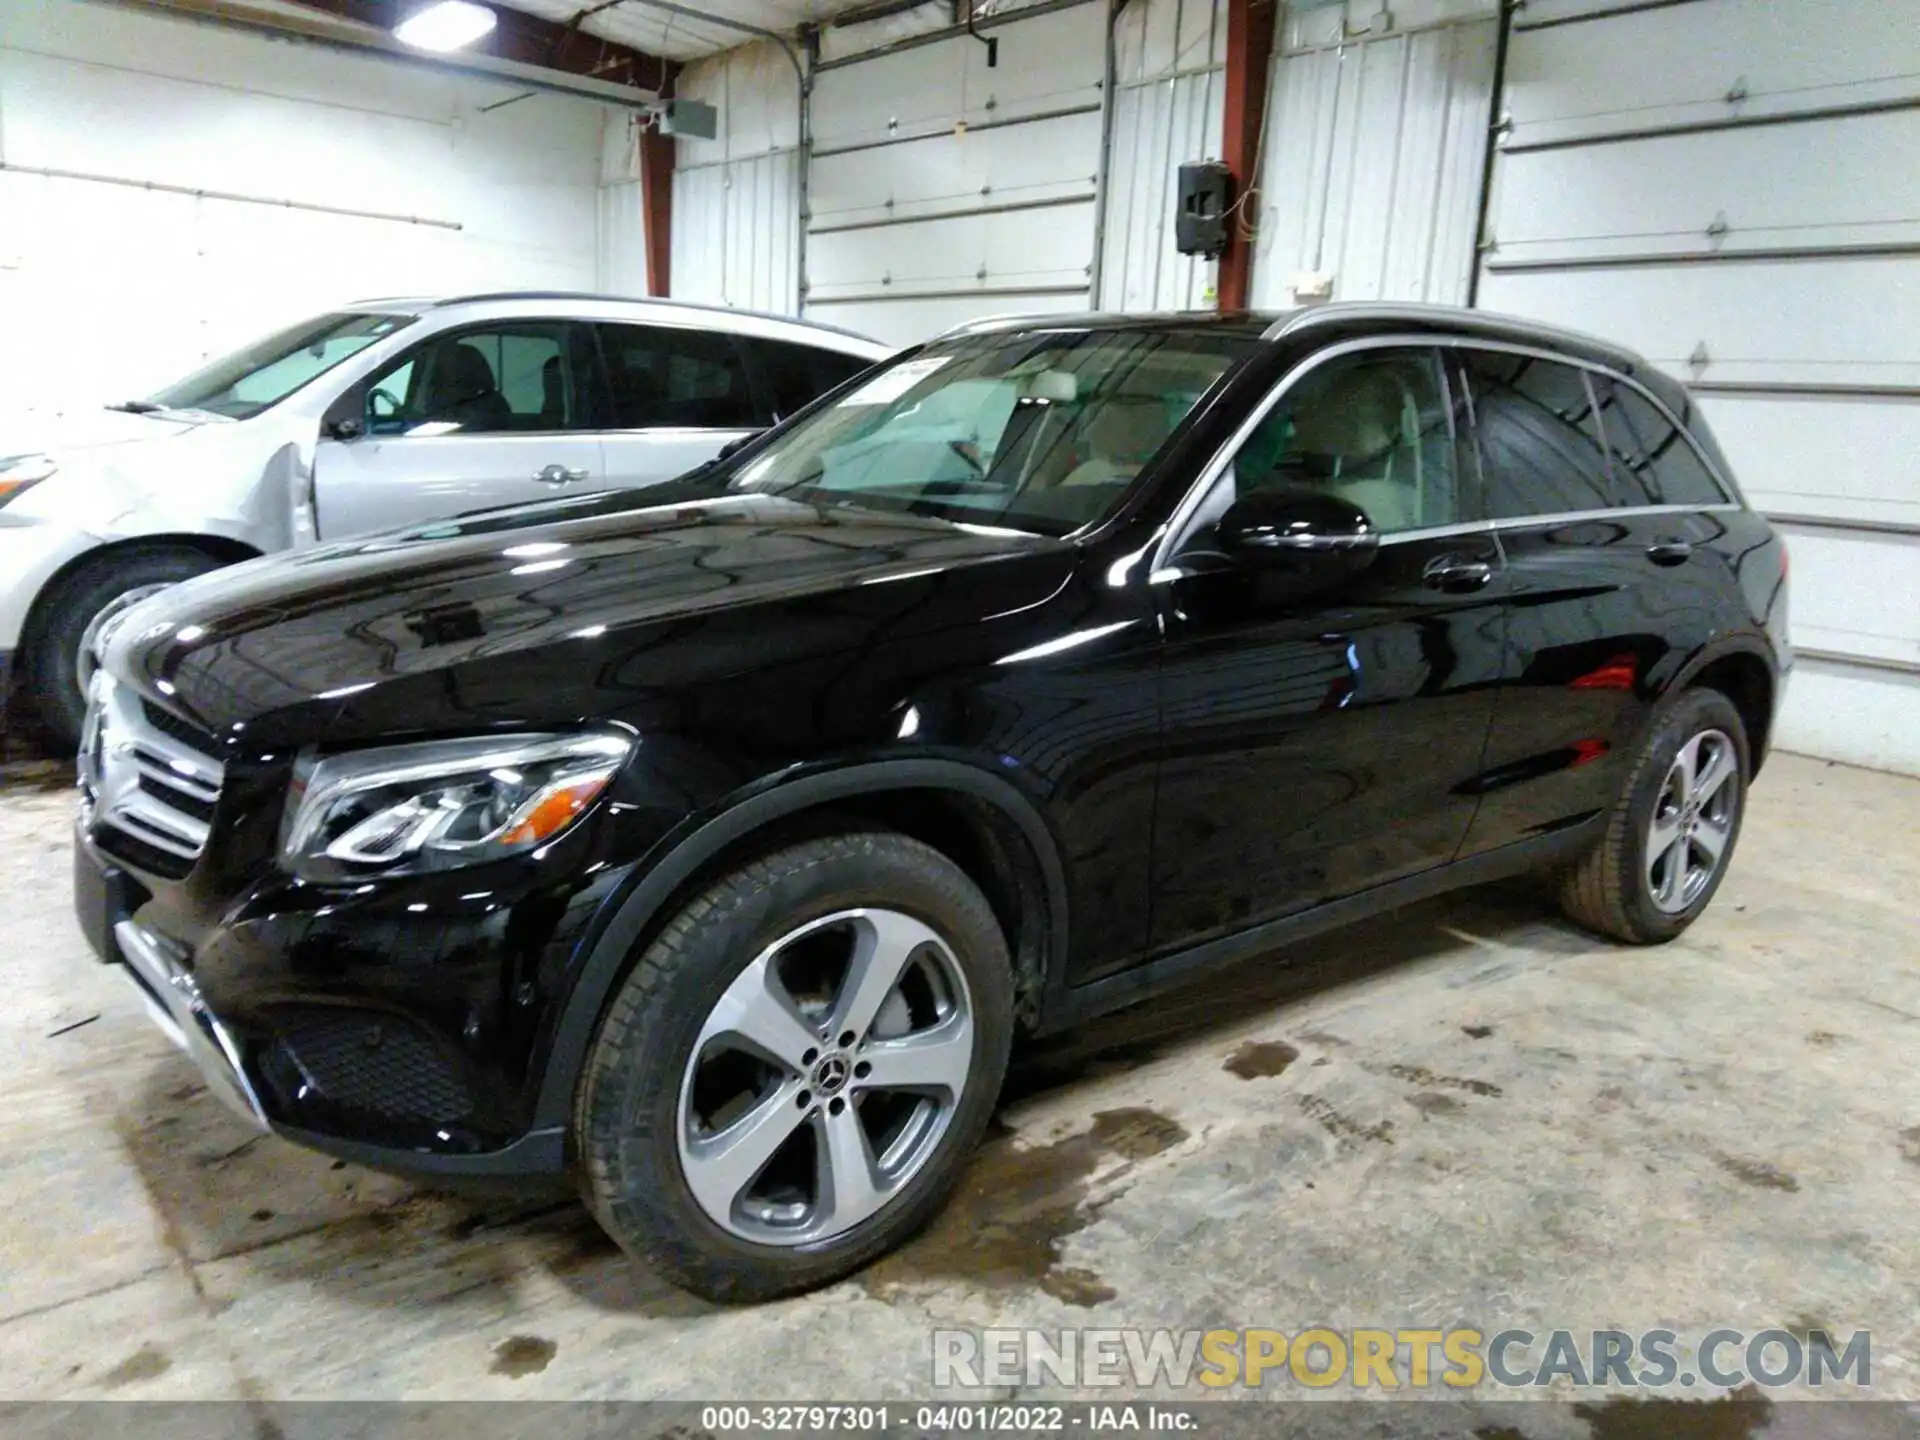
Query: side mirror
x=1305, y=533
x=736, y=445
x=342, y=420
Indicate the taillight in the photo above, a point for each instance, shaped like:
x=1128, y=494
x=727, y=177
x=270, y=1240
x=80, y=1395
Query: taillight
x=1785, y=560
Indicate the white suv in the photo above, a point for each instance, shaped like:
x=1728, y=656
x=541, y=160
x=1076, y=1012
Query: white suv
x=383, y=413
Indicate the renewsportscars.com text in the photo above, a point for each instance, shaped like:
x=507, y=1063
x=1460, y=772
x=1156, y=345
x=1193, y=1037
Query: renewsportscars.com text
x=1456, y=1358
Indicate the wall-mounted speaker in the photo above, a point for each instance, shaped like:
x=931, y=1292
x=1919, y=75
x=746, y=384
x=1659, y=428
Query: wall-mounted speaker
x=1200, y=222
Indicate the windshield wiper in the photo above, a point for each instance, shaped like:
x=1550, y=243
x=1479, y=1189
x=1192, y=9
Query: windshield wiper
x=136, y=407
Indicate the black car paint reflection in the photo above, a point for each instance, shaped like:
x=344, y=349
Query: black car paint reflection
x=1160, y=761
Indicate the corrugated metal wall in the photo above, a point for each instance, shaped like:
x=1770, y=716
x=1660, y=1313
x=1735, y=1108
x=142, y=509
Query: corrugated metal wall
x=1731, y=187
x=622, y=267
x=737, y=197
x=1371, y=161
x=1168, y=93
x=941, y=189
x=736, y=232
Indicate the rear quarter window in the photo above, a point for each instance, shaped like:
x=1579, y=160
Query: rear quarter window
x=1654, y=463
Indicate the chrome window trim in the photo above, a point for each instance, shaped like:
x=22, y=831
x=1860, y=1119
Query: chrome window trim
x=1216, y=466
x=1613, y=512
x=1437, y=532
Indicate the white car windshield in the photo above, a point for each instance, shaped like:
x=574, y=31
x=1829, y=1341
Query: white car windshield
x=1036, y=430
x=265, y=373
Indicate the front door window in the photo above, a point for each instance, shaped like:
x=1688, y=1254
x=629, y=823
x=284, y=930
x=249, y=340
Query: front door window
x=521, y=377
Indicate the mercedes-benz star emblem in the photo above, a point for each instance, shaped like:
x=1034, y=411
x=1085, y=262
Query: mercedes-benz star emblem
x=830, y=1075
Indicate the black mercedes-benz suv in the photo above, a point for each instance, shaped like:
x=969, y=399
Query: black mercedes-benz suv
x=713, y=844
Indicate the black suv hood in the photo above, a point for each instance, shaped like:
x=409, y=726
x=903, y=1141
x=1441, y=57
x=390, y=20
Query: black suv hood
x=559, y=613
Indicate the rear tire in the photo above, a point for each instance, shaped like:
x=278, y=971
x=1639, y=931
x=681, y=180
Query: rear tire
x=1672, y=832
x=93, y=590
x=787, y=1083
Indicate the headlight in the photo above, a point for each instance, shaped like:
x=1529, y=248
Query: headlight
x=20, y=472
x=444, y=804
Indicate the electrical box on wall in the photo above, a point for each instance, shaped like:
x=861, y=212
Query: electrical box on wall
x=1200, y=222
x=689, y=118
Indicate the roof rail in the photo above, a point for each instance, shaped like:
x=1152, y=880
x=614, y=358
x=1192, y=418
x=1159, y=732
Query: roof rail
x=688, y=305
x=1490, y=323
x=987, y=324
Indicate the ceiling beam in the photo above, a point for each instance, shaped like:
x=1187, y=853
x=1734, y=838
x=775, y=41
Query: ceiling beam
x=530, y=40
x=314, y=26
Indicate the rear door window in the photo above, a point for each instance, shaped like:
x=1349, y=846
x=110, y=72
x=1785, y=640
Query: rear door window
x=666, y=376
x=1653, y=462
x=796, y=375
x=1539, y=436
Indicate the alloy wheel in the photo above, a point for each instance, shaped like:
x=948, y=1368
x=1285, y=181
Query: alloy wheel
x=1693, y=820
x=825, y=1077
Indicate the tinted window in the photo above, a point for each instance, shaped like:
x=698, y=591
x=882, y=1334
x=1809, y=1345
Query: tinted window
x=1371, y=428
x=1652, y=461
x=665, y=376
x=518, y=376
x=795, y=375
x=1538, y=436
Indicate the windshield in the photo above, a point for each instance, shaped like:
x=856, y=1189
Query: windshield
x=1032, y=431
x=265, y=373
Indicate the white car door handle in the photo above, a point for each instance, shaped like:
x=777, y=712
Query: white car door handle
x=559, y=474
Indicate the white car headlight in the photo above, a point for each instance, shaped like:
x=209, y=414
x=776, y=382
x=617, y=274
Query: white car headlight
x=440, y=805
x=20, y=472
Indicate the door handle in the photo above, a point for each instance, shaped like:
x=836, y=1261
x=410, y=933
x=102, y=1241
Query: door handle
x=559, y=474
x=1456, y=574
x=1669, y=552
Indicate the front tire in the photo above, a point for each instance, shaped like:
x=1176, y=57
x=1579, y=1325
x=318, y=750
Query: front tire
x=1671, y=834
x=56, y=666
x=787, y=1083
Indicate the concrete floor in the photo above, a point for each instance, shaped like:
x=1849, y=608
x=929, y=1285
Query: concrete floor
x=1466, y=1113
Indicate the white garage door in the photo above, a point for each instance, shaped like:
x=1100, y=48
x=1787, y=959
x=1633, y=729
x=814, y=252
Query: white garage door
x=1371, y=165
x=940, y=189
x=1733, y=188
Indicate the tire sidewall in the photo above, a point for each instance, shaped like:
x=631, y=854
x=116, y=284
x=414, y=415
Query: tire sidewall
x=630, y=1110
x=53, y=663
x=1693, y=712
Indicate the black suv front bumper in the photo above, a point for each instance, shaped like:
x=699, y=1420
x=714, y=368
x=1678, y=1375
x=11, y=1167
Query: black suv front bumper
x=329, y=1067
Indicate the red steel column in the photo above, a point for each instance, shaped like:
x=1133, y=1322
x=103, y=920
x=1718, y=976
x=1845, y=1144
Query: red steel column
x=1249, y=53
x=656, y=198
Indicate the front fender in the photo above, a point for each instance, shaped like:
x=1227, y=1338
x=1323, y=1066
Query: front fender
x=636, y=909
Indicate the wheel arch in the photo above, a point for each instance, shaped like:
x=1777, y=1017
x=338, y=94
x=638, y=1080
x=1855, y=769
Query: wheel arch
x=1744, y=671
x=978, y=820
x=221, y=548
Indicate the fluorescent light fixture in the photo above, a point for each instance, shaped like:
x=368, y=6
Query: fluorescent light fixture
x=445, y=25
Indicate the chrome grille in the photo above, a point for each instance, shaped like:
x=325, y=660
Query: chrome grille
x=152, y=781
